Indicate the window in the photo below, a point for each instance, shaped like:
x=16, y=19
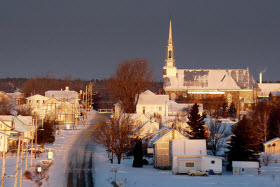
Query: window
x=200, y=96
x=143, y=110
x=212, y=161
x=159, y=109
x=169, y=54
x=204, y=96
x=189, y=164
x=242, y=170
x=164, y=71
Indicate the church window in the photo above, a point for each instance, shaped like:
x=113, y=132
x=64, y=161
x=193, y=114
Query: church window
x=164, y=71
x=143, y=110
x=169, y=54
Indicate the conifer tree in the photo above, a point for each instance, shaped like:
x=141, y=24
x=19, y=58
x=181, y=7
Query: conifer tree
x=196, y=122
x=138, y=154
x=232, y=110
x=243, y=144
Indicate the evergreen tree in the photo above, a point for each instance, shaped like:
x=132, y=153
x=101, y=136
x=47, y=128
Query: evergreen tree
x=243, y=144
x=46, y=134
x=138, y=154
x=196, y=122
x=232, y=110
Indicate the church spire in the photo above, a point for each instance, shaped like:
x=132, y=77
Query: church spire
x=170, y=39
x=170, y=69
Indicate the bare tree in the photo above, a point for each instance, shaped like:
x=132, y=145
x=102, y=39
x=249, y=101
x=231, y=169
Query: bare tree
x=266, y=158
x=260, y=117
x=218, y=134
x=131, y=78
x=114, y=134
x=7, y=105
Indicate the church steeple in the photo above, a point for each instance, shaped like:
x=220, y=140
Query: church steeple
x=169, y=69
x=170, y=40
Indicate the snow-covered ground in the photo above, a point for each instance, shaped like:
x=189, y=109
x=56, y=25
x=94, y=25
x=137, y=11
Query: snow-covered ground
x=149, y=176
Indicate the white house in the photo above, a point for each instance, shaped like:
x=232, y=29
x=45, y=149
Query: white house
x=245, y=168
x=151, y=104
x=64, y=95
x=191, y=154
x=36, y=101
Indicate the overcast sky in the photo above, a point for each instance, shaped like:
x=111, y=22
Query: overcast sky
x=88, y=38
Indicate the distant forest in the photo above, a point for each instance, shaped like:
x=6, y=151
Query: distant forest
x=38, y=85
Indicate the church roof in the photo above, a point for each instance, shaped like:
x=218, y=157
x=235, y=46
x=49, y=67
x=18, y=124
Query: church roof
x=216, y=79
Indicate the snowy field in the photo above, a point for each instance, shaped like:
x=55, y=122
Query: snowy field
x=149, y=176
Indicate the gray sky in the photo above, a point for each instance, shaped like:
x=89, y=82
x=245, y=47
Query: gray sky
x=88, y=38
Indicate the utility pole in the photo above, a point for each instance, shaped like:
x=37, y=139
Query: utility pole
x=36, y=139
x=26, y=155
x=31, y=152
x=4, y=159
x=21, y=158
x=18, y=150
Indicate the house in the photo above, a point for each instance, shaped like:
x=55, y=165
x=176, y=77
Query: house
x=14, y=125
x=18, y=97
x=265, y=89
x=147, y=128
x=275, y=96
x=64, y=95
x=152, y=104
x=189, y=155
x=36, y=101
x=245, y=168
x=272, y=146
x=161, y=147
x=203, y=84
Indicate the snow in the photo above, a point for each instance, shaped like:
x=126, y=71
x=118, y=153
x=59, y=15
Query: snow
x=245, y=164
x=225, y=79
x=70, y=96
x=266, y=88
x=149, y=176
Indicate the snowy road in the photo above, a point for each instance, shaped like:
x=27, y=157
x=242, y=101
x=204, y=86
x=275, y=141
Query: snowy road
x=80, y=171
x=80, y=165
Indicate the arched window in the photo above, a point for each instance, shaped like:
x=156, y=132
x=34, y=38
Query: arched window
x=169, y=54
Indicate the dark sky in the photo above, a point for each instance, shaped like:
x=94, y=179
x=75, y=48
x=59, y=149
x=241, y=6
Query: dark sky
x=88, y=38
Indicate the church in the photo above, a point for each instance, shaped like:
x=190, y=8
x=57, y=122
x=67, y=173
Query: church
x=235, y=85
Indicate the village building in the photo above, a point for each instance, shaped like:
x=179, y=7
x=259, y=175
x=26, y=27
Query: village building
x=245, y=168
x=272, y=146
x=161, y=144
x=147, y=128
x=64, y=95
x=36, y=101
x=189, y=155
x=152, y=104
x=267, y=89
x=235, y=85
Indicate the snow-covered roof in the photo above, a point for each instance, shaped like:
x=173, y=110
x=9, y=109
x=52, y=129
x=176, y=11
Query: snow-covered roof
x=245, y=164
x=272, y=140
x=178, y=107
x=6, y=117
x=149, y=98
x=70, y=96
x=27, y=120
x=16, y=95
x=275, y=94
x=217, y=79
x=266, y=88
x=37, y=96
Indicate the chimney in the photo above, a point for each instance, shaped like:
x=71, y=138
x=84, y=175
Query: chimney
x=260, y=77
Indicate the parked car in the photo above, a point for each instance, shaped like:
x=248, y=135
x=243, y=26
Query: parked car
x=39, y=150
x=198, y=173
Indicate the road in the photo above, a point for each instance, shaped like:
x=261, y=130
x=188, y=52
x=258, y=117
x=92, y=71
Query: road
x=80, y=170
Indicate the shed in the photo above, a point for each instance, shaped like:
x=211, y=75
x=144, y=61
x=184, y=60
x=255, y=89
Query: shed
x=245, y=167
